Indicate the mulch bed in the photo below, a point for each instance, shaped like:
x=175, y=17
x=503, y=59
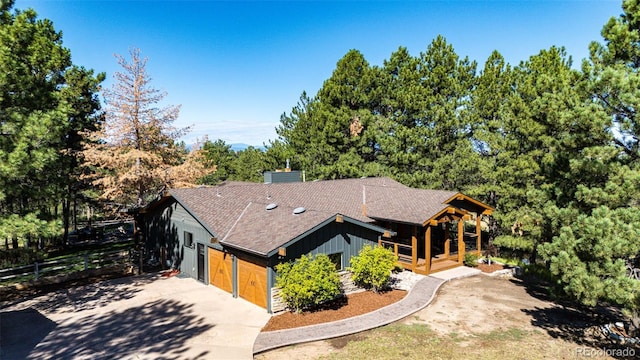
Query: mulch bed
x=349, y=306
x=490, y=268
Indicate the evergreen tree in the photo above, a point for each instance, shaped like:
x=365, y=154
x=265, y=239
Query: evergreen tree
x=295, y=138
x=45, y=102
x=220, y=154
x=528, y=144
x=334, y=133
x=425, y=135
x=598, y=217
x=490, y=121
x=249, y=165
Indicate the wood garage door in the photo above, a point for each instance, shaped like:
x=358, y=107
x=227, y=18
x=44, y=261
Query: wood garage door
x=220, y=269
x=252, y=283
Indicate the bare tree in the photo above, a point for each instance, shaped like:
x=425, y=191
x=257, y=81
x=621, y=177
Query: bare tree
x=135, y=153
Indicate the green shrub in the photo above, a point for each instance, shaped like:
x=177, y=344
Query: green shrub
x=538, y=272
x=471, y=259
x=372, y=268
x=308, y=282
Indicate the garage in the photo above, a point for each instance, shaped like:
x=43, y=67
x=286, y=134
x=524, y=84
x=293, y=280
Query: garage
x=220, y=269
x=252, y=282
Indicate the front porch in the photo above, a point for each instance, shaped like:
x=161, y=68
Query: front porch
x=439, y=244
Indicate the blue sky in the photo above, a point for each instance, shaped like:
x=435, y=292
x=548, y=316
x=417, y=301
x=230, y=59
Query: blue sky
x=235, y=66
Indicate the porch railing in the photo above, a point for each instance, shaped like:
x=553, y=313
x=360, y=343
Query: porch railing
x=404, y=253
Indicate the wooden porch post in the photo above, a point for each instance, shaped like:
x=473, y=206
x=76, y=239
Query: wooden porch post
x=447, y=241
x=460, y=240
x=427, y=248
x=479, y=234
x=414, y=248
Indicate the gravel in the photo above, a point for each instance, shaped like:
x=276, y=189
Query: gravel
x=405, y=280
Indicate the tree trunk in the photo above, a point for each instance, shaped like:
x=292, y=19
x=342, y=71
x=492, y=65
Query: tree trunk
x=634, y=324
x=75, y=213
x=65, y=218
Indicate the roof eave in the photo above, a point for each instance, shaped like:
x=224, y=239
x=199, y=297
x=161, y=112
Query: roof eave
x=448, y=209
x=188, y=210
x=488, y=210
x=326, y=222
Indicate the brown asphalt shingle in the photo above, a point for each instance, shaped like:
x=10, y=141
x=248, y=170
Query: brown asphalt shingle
x=405, y=204
x=237, y=213
x=271, y=228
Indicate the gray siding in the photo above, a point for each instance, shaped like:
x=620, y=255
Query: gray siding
x=345, y=238
x=166, y=228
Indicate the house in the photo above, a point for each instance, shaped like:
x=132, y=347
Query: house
x=233, y=235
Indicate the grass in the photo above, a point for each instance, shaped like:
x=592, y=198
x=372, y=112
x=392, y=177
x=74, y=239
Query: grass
x=421, y=342
x=76, y=262
x=507, y=261
x=79, y=251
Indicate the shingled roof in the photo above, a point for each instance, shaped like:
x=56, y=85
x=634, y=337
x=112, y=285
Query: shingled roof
x=236, y=212
x=405, y=204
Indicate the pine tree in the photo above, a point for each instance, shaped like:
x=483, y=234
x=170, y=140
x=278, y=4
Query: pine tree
x=45, y=101
x=598, y=217
x=134, y=153
x=425, y=134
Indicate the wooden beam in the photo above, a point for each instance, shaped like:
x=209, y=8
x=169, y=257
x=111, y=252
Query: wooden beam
x=478, y=234
x=414, y=247
x=460, y=241
x=444, y=219
x=427, y=248
x=339, y=218
x=433, y=223
x=463, y=197
x=447, y=241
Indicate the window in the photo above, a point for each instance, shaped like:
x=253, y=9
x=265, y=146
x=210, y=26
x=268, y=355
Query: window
x=188, y=239
x=336, y=259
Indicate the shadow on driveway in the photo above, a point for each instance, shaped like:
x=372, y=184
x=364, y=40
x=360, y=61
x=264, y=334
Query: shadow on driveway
x=21, y=331
x=161, y=327
x=100, y=321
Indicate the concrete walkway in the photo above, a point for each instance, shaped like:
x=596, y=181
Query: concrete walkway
x=418, y=298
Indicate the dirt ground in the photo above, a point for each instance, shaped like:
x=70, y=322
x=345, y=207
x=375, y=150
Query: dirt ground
x=480, y=305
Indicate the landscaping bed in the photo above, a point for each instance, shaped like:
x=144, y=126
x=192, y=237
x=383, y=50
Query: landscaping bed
x=346, y=307
x=481, y=318
x=486, y=268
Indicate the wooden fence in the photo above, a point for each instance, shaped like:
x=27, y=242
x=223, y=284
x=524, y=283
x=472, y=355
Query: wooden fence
x=66, y=265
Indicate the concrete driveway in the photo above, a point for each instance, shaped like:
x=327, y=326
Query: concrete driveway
x=140, y=317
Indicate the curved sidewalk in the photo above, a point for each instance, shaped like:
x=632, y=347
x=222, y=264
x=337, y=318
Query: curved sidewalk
x=418, y=298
